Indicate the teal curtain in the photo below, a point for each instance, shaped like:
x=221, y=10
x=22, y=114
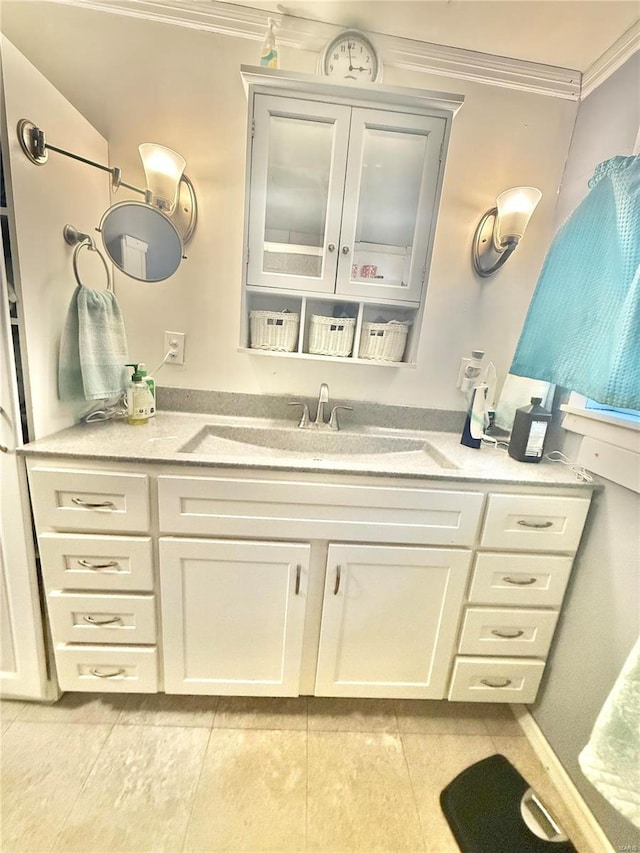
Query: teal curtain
x=582, y=330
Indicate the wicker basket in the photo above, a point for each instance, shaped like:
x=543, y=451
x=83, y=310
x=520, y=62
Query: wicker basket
x=331, y=335
x=274, y=330
x=383, y=341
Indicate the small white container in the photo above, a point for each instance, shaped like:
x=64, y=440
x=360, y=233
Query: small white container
x=274, y=330
x=331, y=335
x=383, y=341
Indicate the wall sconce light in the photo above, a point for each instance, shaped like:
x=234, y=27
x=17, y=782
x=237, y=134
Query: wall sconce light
x=168, y=188
x=502, y=227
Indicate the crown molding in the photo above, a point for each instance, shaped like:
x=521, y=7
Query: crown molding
x=611, y=60
x=301, y=33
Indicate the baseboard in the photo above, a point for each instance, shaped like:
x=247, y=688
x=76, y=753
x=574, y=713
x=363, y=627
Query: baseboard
x=563, y=783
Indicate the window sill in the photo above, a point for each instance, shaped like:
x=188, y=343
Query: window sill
x=610, y=446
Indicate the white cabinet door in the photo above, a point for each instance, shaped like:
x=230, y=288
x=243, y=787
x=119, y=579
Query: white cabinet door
x=389, y=213
x=389, y=620
x=298, y=156
x=233, y=616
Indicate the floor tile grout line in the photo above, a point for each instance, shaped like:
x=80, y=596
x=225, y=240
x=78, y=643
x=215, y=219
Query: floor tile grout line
x=413, y=791
x=83, y=786
x=195, y=790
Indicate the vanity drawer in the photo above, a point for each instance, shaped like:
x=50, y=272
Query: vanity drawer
x=107, y=669
x=537, y=580
x=534, y=522
x=495, y=680
x=219, y=506
x=500, y=631
x=89, y=500
x=119, y=563
x=89, y=618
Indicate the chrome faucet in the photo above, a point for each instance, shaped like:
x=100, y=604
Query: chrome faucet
x=323, y=398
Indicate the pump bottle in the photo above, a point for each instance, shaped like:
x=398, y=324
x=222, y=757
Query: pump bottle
x=139, y=399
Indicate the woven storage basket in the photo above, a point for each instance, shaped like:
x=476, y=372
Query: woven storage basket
x=274, y=330
x=383, y=341
x=331, y=335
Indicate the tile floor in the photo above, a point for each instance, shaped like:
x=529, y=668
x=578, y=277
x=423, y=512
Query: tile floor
x=97, y=773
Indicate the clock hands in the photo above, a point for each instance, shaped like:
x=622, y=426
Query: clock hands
x=351, y=68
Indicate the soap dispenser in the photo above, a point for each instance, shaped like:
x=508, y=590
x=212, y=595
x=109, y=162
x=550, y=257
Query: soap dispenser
x=139, y=399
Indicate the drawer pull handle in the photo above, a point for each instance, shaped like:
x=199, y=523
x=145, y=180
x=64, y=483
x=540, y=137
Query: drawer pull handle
x=91, y=505
x=93, y=621
x=488, y=683
x=508, y=636
x=298, y=573
x=86, y=564
x=337, y=584
x=541, y=525
x=115, y=674
x=519, y=583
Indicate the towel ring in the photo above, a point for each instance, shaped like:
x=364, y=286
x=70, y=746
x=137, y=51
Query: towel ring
x=89, y=244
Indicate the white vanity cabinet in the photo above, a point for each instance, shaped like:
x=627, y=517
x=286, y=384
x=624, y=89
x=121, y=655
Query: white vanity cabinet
x=99, y=584
x=280, y=583
x=389, y=620
x=233, y=615
x=343, y=185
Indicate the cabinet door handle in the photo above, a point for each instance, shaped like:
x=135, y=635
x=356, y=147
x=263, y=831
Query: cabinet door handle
x=488, y=683
x=536, y=525
x=298, y=573
x=93, y=621
x=507, y=579
x=91, y=505
x=115, y=674
x=337, y=584
x=86, y=564
x=345, y=250
x=508, y=636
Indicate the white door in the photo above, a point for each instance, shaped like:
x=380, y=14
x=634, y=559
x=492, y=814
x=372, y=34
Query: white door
x=390, y=202
x=233, y=616
x=299, y=151
x=389, y=620
x=23, y=671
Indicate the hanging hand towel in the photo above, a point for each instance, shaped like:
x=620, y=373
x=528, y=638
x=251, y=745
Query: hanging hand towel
x=93, y=349
x=583, y=327
x=611, y=759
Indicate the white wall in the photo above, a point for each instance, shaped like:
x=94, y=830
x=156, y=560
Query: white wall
x=601, y=617
x=144, y=81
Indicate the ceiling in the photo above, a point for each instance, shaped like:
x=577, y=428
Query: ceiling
x=566, y=33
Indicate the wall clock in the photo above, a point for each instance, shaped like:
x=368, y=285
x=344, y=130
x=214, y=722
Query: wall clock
x=351, y=56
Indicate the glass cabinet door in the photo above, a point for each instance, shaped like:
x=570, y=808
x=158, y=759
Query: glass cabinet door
x=297, y=179
x=389, y=204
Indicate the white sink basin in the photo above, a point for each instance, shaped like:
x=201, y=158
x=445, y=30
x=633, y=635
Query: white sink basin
x=312, y=443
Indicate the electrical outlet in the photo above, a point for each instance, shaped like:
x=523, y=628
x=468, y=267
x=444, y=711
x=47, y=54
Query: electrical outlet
x=174, y=344
x=464, y=363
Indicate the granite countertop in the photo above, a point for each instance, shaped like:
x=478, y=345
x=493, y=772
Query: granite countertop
x=169, y=435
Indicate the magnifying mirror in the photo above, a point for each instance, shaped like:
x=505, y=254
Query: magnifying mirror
x=141, y=241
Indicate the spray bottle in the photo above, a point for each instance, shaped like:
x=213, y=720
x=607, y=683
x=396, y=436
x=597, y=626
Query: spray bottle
x=269, y=53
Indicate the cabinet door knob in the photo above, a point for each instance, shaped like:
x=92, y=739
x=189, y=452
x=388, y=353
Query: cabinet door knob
x=4, y=448
x=337, y=584
x=345, y=250
x=331, y=247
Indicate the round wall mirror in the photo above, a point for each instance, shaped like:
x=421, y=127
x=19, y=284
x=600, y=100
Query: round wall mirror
x=141, y=241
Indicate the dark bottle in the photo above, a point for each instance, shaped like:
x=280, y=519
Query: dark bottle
x=529, y=432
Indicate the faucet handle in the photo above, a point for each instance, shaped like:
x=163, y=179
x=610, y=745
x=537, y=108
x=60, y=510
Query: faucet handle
x=305, y=418
x=333, y=420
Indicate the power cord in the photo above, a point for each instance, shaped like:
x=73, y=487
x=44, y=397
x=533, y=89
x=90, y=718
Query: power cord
x=580, y=472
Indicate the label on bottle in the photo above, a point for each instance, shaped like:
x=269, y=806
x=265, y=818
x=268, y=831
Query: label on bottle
x=140, y=402
x=535, y=442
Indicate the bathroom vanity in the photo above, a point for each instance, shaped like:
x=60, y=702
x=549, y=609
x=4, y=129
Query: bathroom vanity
x=187, y=562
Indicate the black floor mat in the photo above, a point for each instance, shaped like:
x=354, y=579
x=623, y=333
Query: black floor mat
x=482, y=807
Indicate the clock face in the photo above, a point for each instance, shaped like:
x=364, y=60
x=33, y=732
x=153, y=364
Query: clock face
x=351, y=56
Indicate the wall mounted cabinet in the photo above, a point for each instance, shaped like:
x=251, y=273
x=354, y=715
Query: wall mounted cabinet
x=343, y=185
